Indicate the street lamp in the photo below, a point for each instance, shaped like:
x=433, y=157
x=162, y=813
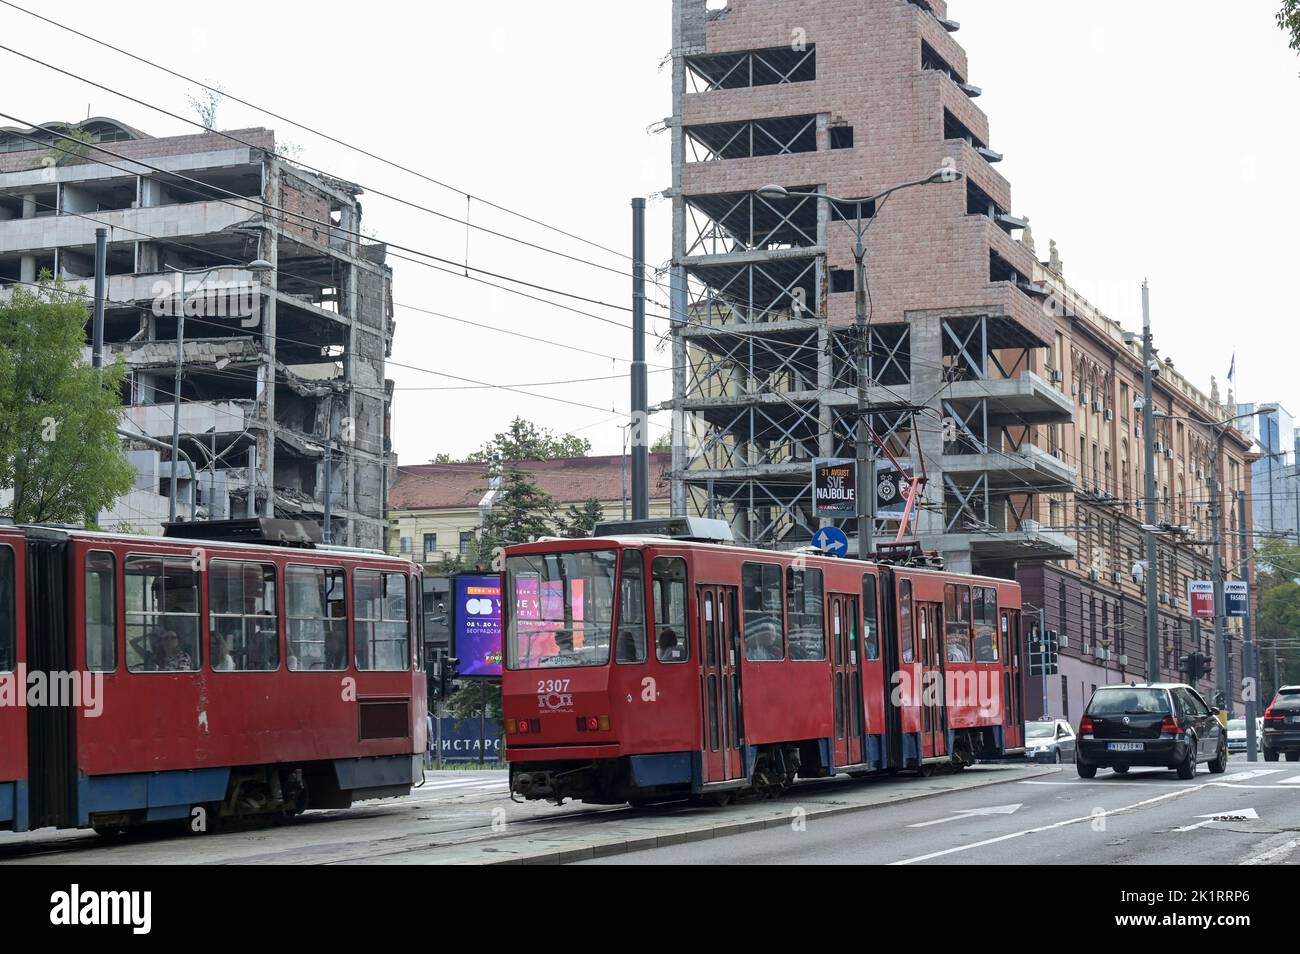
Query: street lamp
x=258, y=266
x=864, y=490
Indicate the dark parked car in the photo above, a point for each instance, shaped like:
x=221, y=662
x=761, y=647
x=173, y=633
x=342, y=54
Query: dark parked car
x=1282, y=725
x=1150, y=724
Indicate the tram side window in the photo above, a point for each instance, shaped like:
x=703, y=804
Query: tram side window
x=807, y=614
x=986, y=624
x=957, y=623
x=162, y=614
x=870, y=631
x=101, y=611
x=317, y=610
x=8, y=649
x=668, y=580
x=383, y=638
x=906, y=632
x=764, y=622
x=243, y=625
x=631, y=609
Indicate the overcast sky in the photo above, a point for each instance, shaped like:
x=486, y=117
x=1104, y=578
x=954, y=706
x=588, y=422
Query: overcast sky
x=1149, y=139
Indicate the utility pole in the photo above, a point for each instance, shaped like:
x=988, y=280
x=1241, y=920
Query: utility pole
x=864, y=450
x=101, y=283
x=328, y=516
x=1216, y=555
x=1151, y=545
x=640, y=434
x=1249, y=661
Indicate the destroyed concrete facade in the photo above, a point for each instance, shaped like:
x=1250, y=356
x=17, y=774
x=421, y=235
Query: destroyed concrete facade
x=282, y=376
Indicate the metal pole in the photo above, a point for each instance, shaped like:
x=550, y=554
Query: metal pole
x=1151, y=545
x=1249, y=661
x=865, y=490
x=482, y=716
x=176, y=394
x=328, y=516
x=640, y=435
x=1042, y=648
x=101, y=283
x=1220, y=643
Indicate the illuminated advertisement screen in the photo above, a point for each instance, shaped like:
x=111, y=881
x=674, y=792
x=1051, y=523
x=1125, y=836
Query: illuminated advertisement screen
x=476, y=626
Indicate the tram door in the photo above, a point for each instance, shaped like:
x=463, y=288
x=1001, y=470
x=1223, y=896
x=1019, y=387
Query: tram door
x=929, y=626
x=846, y=679
x=722, y=717
x=1013, y=716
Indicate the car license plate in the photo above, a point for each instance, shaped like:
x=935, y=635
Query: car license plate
x=1295, y=718
x=1125, y=746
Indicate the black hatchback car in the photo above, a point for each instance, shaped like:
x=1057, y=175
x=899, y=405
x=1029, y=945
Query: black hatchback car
x=1167, y=725
x=1282, y=726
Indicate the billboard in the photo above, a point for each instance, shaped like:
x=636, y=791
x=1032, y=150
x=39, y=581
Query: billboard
x=465, y=740
x=834, y=487
x=1236, y=598
x=1200, y=593
x=476, y=625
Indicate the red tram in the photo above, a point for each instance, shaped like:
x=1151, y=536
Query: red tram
x=645, y=667
x=142, y=677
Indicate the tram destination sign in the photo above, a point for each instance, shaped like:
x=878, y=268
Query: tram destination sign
x=834, y=486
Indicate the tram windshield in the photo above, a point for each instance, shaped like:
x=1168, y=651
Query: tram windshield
x=562, y=609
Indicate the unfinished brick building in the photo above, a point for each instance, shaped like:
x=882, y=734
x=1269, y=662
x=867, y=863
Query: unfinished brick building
x=283, y=371
x=849, y=98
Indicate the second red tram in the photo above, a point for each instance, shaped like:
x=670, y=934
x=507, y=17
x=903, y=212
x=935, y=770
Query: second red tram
x=642, y=668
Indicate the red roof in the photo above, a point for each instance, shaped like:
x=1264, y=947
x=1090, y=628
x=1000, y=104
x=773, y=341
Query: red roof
x=567, y=479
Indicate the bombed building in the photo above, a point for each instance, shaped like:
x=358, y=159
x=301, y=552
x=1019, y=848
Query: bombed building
x=243, y=277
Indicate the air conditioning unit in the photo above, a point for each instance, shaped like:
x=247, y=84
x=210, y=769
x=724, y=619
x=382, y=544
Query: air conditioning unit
x=1164, y=598
x=1057, y=376
x=1065, y=641
x=1074, y=390
x=1094, y=576
x=1169, y=453
x=1159, y=447
x=1123, y=659
x=1058, y=454
x=1096, y=405
x=1114, y=578
x=1109, y=414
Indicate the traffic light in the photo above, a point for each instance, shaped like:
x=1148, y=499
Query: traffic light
x=1197, y=666
x=444, y=671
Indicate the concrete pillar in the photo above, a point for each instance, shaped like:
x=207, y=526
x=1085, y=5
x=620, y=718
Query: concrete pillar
x=29, y=205
x=27, y=268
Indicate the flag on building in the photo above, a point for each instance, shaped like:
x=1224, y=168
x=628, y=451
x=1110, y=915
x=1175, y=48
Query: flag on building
x=1232, y=368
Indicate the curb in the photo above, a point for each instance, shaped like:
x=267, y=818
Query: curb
x=706, y=833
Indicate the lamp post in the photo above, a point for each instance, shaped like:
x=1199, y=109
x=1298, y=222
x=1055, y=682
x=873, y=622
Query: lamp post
x=864, y=485
x=258, y=266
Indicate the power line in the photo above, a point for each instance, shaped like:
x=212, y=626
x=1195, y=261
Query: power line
x=188, y=79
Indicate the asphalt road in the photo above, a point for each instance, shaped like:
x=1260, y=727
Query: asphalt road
x=1249, y=815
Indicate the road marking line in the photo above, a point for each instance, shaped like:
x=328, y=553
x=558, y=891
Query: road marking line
x=971, y=813
x=1290, y=781
x=1277, y=852
x=1054, y=825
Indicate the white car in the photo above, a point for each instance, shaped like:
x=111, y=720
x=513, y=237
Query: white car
x=1049, y=740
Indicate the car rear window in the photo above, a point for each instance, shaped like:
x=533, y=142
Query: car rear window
x=1288, y=695
x=1129, y=702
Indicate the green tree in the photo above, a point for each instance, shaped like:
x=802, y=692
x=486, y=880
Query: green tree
x=663, y=444
x=580, y=521
x=1288, y=18
x=521, y=512
x=442, y=457
x=464, y=703
x=59, y=448
x=524, y=440
x=1278, y=569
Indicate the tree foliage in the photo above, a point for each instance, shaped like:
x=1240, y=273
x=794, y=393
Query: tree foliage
x=59, y=448
x=1278, y=573
x=1288, y=18
x=524, y=440
x=521, y=512
x=580, y=521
